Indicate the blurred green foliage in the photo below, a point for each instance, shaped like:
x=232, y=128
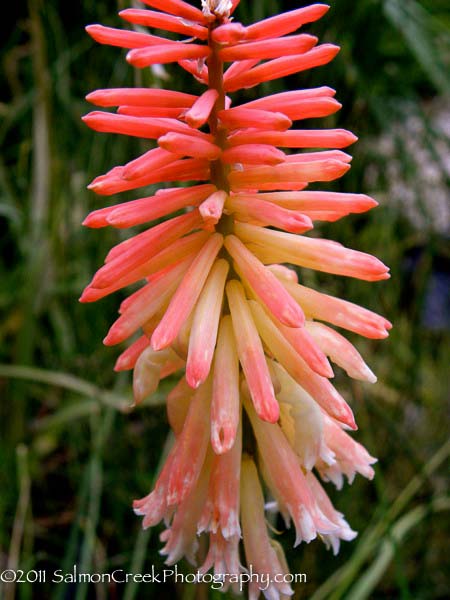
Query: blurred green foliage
x=72, y=458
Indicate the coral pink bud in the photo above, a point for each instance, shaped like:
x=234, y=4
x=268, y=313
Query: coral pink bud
x=97, y=218
x=324, y=215
x=279, y=185
x=230, y=33
x=262, y=212
x=109, y=183
x=139, y=249
x=165, y=53
x=339, y=312
x=311, y=109
x=265, y=285
x=149, y=326
x=187, y=294
x=318, y=387
x=199, y=112
x=186, y=145
x=253, y=154
x=158, y=20
x=178, y=8
x=239, y=67
x=141, y=97
x=128, y=358
x=323, y=255
x=179, y=249
x=287, y=100
x=183, y=170
x=196, y=68
x=145, y=303
x=341, y=351
x=136, y=298
x=305, y=109
x=149, y=111
x=251, y=354
x=191, y=447
x=163, y=203
x=281, y=67
x=136, y=126
x=202, y=339
x=307, y=138
x=316, y=201
x=154, y=506
x=238, y=118
x=139, y=211
x=283, y=272
x=269, y=48
x=258, y=549
x=181, y=536
x=211, y=209
x=152, y=160
x=225, y=406
x=286, y=22
x=222, y=514
x=175, y=228
x=319, y=156
x=189, y=169
x=326, y=170
x=306, y=347
x=122, y=38
x=92, y=294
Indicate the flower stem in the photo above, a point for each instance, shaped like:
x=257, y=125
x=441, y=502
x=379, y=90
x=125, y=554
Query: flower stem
x=219, y=171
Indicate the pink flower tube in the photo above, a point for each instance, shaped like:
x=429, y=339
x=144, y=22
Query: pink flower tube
x=219, y=306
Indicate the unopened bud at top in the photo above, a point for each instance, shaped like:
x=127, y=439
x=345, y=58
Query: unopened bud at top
x=217, y=8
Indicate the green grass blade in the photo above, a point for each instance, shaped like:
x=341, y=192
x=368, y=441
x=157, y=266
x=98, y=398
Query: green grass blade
x=415, y=24
x=367, y=582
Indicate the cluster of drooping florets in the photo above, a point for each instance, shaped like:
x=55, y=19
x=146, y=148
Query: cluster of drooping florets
x=218, y=306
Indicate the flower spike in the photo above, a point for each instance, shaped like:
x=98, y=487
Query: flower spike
x=218, y=307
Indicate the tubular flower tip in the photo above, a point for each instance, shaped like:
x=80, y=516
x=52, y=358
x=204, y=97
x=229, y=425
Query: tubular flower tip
x=219, y=306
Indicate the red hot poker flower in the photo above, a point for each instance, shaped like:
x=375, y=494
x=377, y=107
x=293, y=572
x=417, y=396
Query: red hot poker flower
x=217, y=304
